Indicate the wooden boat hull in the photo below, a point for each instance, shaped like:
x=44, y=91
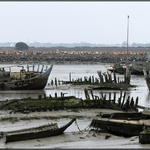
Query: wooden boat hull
x=35, y=83
x=119, y=129
x=135, y=68
x=121, y=124
x=35, y=133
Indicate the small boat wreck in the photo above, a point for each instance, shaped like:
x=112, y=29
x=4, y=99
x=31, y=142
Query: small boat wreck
x=136, y=68
x=122, y=124
x=119, y=67
x=24, y=79
x=35, y=132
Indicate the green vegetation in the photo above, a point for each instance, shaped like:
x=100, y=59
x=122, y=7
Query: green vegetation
x=29, y=104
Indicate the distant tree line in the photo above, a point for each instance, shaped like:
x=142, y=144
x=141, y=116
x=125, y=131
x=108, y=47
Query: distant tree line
x=82, y=44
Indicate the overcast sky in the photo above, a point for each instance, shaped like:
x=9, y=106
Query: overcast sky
x=74, y=22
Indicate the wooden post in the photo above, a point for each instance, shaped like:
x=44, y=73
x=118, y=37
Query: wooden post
x=101, y=99
x=123, y=99
x=92, y=79
x=106, y=78
x=104, y=100
x=40, y=96
x=44, y=96
x=100, y=76
x=92, y=94
x=59, y=82
x=86, y=94
x=109, y=77
x=127, y=75
x=115, y=80
x=132, y=103
x=62, y=95
x=70, y=77
x=136, y=103
x=119, y=100
x=109, y=98
x=55, y=95
x=50, y=96
x=52, y=82
x=127, y=103
x=114, y=98
x=55, y=81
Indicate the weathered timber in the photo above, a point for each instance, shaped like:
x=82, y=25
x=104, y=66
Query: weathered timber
x=121, y=124
x=70, y=102
x=35, y=132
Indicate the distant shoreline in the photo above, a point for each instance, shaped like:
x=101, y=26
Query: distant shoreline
x=76, y=55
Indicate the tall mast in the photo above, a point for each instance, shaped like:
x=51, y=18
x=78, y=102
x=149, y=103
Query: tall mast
x=127, y=35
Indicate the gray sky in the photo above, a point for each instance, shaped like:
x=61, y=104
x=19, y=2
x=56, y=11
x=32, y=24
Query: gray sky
x=74, y=22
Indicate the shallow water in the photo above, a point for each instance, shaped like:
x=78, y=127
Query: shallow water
x=72, y=138
x=61, y=72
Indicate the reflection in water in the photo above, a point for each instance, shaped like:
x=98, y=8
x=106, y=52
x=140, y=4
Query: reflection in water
x=62, y=72
x=20, y=94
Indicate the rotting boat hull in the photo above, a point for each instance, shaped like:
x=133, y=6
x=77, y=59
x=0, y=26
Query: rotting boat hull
x=35, y=133
x=122, y=124
x=35, y=83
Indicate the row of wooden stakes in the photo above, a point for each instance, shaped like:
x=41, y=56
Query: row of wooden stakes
x=122, y=102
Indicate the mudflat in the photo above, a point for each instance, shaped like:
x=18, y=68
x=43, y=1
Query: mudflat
x=78, y=135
